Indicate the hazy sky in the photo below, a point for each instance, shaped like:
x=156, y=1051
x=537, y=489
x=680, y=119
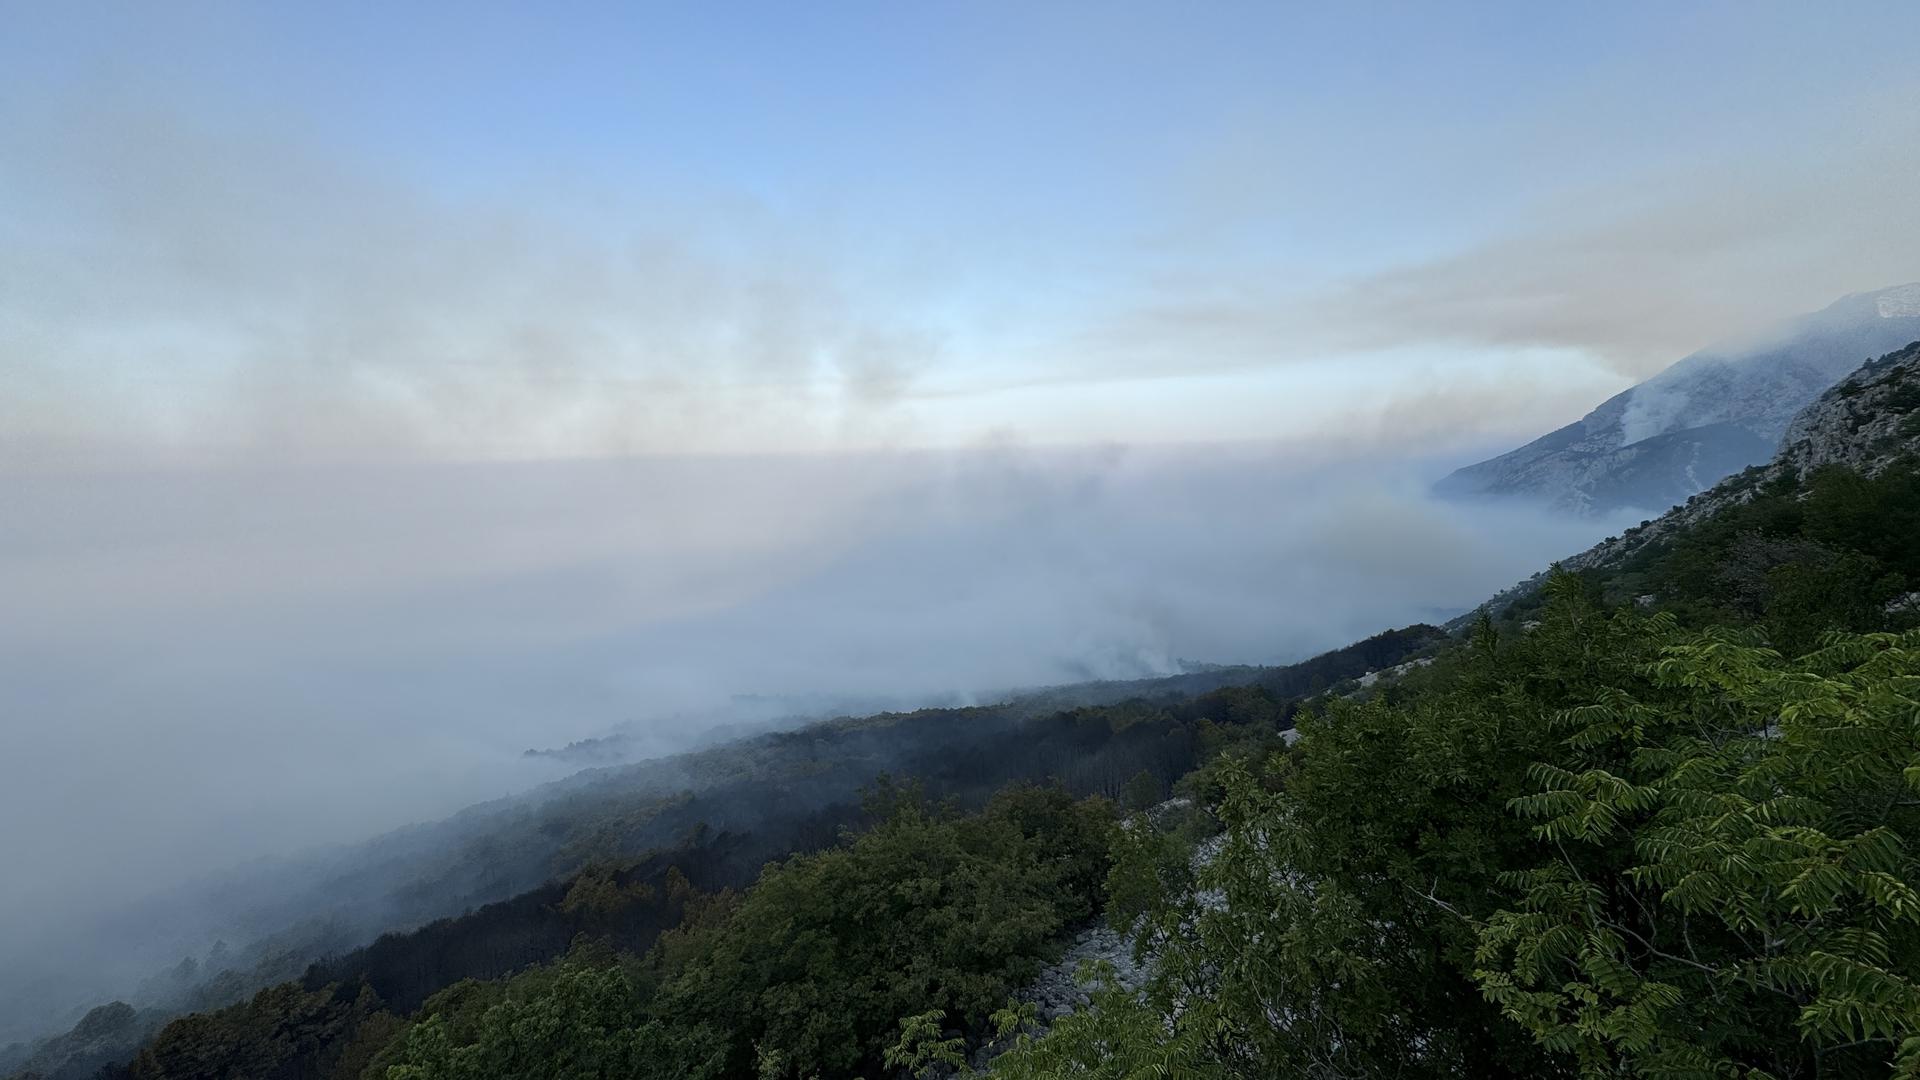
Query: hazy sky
x=365, y=230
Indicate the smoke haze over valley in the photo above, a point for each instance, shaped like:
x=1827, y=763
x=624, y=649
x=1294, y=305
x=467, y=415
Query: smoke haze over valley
x=403, y=410
x=355, y=648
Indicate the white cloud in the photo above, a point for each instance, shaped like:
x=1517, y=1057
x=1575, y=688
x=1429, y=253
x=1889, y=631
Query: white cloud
x=173, y=286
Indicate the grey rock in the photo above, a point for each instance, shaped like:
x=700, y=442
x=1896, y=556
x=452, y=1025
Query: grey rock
x=1866, y=421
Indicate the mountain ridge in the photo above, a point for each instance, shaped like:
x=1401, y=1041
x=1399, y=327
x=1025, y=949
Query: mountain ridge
x=1706, y=417
x=1866, y=422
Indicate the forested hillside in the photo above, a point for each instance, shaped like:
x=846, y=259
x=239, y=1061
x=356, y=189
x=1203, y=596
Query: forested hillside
x=1657, y=817
x=709, y=821
x=1660, y=819
x=1706, y=417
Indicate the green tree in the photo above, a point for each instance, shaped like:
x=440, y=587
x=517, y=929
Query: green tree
x=1736, y=850
x=929, y=915
x=1332, y=930
x=584, y=1023
x=924, y=1049
x=1141, y=792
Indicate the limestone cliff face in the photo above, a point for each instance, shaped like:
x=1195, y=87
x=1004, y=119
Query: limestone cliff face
x=1708, y=416
x=1868, y=420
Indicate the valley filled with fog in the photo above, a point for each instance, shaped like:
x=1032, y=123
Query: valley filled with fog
x=210, y=666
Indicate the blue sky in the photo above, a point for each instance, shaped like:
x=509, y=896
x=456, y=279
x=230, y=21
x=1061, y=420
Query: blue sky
x=540, y=230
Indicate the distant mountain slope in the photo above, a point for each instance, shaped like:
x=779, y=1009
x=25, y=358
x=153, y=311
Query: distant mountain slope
x=1705, y=418
x=1287, y=680
x=1868, y=422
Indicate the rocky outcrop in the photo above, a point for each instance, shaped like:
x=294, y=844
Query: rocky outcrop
x=1392, y=673
x=1057, y=990
x=1867, y=421
x=1705, y=418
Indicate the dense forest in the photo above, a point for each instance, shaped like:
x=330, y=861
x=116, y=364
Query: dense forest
x=1659, y=817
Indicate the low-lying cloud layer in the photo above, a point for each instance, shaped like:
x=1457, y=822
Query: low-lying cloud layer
x=199, y=667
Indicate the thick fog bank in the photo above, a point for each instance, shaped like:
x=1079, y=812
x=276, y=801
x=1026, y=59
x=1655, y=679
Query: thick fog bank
x=197, y=668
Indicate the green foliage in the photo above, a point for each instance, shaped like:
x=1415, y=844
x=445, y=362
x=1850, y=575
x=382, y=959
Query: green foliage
x=282, y=1031
x=1150, y=866
x=597, y=894
x=1263, y=971
x=930, y=916
x=1798, y=559
x=1141, y=792
x=107, y=1033
x=1119, y=1037
x=581, y=1023
x=1732, y=890
x=924, y=1050
x=1607, y=846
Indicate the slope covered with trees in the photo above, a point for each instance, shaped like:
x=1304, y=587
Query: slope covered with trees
x=1658, y=819
x=1613, y=846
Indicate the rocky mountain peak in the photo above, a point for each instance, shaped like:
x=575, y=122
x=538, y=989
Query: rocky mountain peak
x=1866, y=421
x=1899, y=302
x=1708, y=416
